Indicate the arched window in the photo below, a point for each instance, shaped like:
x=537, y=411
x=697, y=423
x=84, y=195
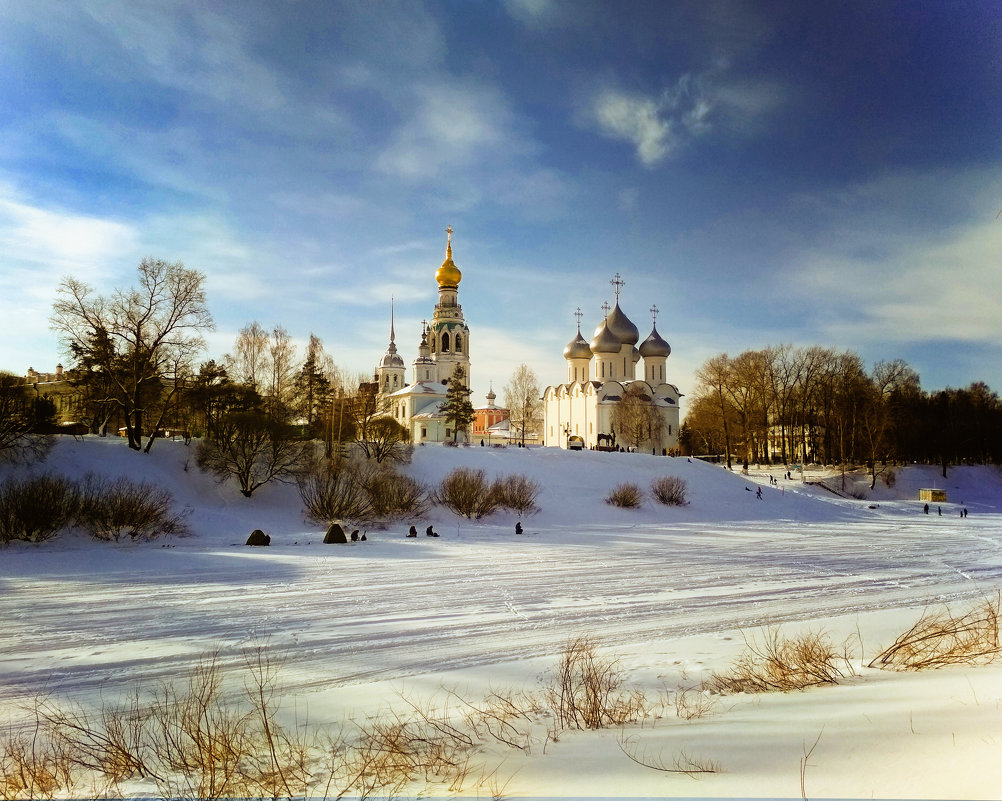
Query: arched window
x=445, y=341
x=459, y=344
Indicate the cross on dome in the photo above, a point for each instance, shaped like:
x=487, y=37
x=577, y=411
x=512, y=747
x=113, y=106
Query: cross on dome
x=605, y=309
x=654, y=313
x=617, y=283
x=579, y=315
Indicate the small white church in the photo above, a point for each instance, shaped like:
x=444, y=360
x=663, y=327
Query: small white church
x=581, y=413
x=445, y=343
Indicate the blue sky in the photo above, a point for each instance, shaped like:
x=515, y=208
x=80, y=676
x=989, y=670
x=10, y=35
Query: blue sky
x=811, y=173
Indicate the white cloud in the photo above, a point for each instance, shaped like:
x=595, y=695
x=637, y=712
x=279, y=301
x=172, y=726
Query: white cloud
x=657, y=126
x=920, y=291
x=450, y=126
x=638, y=120
x=531, y=11
x=39, y=246
x=200, y=52
x=57, y=242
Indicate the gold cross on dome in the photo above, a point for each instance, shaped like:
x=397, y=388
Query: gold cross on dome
x=579, y=315
x=448, y=230
x=605, y=309
x=617, y=283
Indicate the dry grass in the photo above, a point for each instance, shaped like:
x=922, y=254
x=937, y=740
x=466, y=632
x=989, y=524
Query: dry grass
x=626, y=496
x=505, y=716
x=587, y=691
x=32, y=765
x=691, y=703
x=669, y=490
x=941, y=638
x=682, y=762
x=779, y=663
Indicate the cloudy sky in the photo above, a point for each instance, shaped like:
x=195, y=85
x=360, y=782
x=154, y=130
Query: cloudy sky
x=763, y=172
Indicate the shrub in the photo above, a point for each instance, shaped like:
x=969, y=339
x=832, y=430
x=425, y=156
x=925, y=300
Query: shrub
x=942, y=638
x=626, y=496
x=394, y=495
x=109, y=510
x=466, y=492
x=35, y=509
x=335, y=490
x=516, y=492
x=669, y=490
x=587, y=690
x=32, y=765
x=784, y=663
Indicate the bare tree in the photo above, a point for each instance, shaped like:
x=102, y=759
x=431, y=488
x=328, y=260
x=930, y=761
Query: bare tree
x=255, y=449
x=282, y=373
x=636, y=417
x=715, y=377
x=18, y=442
x=386, y=439
x=523, y=398
x=137, y=338
x=249, y=362
x=886, y=379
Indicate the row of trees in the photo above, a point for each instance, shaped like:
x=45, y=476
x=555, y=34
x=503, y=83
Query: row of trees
x=816, y=404
x=258, y=410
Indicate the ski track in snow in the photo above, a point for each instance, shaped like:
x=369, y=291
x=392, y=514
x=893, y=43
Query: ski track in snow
x=405, y=608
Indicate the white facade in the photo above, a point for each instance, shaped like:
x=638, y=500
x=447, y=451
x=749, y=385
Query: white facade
x=599, y=374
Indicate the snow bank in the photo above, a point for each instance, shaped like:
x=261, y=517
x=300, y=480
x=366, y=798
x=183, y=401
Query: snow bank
x=671, y=591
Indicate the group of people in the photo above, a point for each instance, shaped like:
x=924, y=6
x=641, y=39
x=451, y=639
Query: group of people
x=430, y=531
x=939, y=510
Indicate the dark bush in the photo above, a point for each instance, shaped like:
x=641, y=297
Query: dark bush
x=113, y=509
x=626, y=496
x=669, y=490
x=466, y=492
x=35, y=509
x=394, y=495
x=336, y=490
x=516, y=492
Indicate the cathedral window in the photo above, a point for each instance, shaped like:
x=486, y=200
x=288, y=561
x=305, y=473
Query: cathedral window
x=445, y=341
x=459, y=344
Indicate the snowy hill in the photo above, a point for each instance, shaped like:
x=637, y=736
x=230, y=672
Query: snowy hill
x=671, y=591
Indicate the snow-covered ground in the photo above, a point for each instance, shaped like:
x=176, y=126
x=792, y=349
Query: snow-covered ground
x=671, y=591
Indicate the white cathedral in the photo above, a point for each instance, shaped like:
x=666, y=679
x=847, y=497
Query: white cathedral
x=445, y=343
x=581, y=412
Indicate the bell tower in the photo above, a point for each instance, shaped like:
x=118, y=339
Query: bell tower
x=448, y=334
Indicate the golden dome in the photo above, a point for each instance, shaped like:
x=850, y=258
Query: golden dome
x=448, y=275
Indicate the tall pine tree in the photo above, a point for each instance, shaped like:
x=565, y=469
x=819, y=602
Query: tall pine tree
x=457, y=407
